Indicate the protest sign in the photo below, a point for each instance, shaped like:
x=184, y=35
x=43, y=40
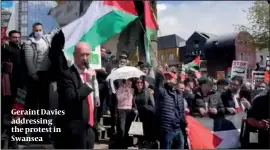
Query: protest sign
x=220, y=75
x=257, y=77
x=239, y=68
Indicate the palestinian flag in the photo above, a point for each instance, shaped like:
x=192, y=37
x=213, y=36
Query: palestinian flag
x=221, y=132
x=193, y=66
x=150, y=29
x=101, y=21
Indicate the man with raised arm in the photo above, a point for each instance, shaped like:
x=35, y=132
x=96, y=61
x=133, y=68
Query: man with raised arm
x=78, y=96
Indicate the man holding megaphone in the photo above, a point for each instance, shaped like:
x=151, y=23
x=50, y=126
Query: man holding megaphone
x=78, y=97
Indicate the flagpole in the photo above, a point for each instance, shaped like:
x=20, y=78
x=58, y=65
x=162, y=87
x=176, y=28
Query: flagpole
x=81, y=8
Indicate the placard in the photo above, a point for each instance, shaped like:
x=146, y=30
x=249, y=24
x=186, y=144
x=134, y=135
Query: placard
x=220, y=75
x=257, y=77
x=239, y=68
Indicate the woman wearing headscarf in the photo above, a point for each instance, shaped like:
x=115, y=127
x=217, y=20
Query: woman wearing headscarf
x=145, y=104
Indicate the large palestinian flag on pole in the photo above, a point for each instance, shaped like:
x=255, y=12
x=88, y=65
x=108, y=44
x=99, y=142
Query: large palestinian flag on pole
x=101, y=21
x=150, y=29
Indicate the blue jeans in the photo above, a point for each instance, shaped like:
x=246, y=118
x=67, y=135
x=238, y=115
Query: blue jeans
x=172, y=140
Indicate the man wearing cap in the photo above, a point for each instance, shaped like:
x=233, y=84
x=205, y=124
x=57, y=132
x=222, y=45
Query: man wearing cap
x=169, y=111
x=206, y=101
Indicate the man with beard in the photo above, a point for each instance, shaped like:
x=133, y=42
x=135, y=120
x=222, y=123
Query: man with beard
x=12, y=57
x=231, y=98
x=170, y=111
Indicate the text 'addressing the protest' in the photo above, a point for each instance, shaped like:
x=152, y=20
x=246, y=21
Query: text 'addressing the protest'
x=29, y=122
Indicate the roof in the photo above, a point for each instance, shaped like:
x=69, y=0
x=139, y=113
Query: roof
x=207, y=35
x=170, y=41
x=221, y=41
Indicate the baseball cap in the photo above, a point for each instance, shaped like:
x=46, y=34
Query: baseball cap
x=170, y=74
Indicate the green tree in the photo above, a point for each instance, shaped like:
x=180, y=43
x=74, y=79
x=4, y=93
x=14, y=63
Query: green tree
x=258, y=17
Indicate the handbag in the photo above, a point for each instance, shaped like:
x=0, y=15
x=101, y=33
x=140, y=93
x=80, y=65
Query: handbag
x=136, y=127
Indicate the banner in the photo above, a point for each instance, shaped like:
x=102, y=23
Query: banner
x=239, y=68
x=225, y=130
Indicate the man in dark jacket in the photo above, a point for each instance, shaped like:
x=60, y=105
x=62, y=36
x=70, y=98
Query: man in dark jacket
x=231, y=98
x=188, y=93
x=206, y=101
x=169, y=111
x=258, y=117
x=12, y=65
x=78, y=103
x=12, y=54
x=222, y=85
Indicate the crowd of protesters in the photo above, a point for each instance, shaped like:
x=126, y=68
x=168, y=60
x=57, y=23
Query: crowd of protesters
x=161, y=99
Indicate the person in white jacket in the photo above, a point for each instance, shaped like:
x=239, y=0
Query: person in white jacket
x=36, y=50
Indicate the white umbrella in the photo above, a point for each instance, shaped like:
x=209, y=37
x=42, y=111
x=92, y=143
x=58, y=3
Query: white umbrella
x=125, y=72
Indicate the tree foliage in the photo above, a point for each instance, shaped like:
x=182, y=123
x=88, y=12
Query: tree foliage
x=258, y=17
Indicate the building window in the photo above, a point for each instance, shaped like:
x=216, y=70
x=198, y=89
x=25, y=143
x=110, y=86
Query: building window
x=196, y=43
x=24, y=31
x=249, y=59
x=241, y=56
x=24, y=19
x=198, y=52
x=162, y=57
x=171, y=57
x=25, y=6
x=261, y=59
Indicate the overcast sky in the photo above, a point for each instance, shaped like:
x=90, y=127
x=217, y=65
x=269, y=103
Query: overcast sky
x=216, y=17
